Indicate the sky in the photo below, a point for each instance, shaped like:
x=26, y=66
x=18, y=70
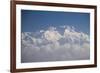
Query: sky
x=54, y=36
x=33, y=20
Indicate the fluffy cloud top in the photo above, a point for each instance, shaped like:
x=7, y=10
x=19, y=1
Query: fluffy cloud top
x=52, y=34
x=53, y=45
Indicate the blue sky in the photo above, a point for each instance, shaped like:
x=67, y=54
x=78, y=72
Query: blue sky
x=33, y=20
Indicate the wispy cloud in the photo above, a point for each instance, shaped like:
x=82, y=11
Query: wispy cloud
x=53, y=45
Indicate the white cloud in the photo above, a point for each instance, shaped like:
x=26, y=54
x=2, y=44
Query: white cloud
x=52, y=35
x=41, y=31
x=70, y=45
x=52, y=28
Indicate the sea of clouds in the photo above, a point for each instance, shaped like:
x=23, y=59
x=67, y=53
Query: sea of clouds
x=52, y=44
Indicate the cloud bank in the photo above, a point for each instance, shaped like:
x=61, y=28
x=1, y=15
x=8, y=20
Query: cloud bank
x=53, y=45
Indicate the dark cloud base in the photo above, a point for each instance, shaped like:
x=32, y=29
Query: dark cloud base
x=31, y=56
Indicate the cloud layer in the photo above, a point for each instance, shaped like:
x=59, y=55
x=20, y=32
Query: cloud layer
x=55, y=45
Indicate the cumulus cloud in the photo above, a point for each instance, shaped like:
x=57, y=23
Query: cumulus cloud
x=52, y=35
x=52, y=45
